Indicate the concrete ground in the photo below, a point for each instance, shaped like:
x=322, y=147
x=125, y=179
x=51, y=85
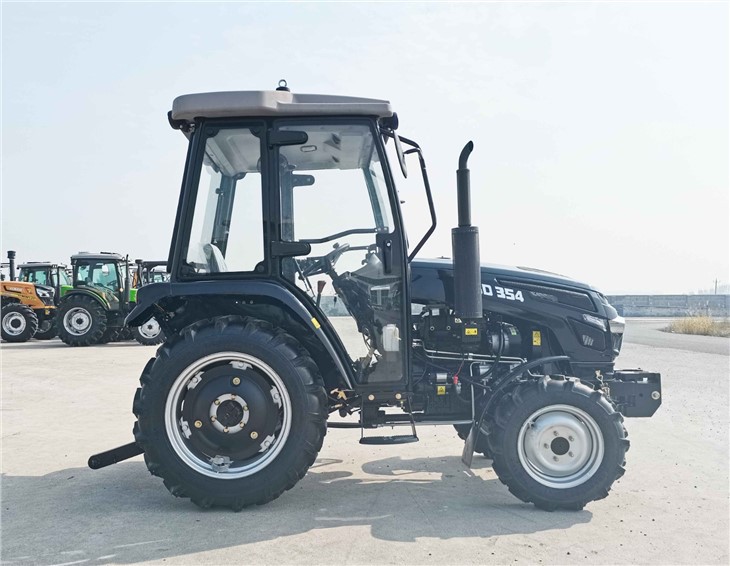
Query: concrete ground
x=414, y=504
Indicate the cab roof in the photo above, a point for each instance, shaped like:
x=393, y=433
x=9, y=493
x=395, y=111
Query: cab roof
x=36, y=264
x=247, y=103
x=103, y=256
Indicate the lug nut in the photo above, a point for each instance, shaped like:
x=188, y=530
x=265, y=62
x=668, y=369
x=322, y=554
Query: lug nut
x=242, y=425
x=236, y=381
x=555, y=433
x=570, y=454
x=254, y=435
x=212, y=418
x=555, y=458
x=217, y=402
x=545, y=445
x=225, y=429
x=570, y=438
x=398, y=396
x=371, y=397
x=198, y=424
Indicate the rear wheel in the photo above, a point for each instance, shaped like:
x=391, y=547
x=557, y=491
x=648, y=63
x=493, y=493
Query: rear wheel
x=18, y=323
x=557, y=443
x=231, y=412
x=82, y=321
x=149, y=333
x=46, y=330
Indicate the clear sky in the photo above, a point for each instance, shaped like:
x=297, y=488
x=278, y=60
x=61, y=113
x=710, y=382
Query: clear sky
x=600, y=130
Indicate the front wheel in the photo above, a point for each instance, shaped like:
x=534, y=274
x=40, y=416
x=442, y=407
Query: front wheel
x=557, y=443
x=231, y=412
x=82, y=321
x=19, y=322
x=46, y=330
x=149, y=333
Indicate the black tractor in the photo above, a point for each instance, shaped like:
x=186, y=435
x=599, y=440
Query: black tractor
x=285, y=195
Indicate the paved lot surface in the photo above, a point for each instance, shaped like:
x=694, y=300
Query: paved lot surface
x=358, y=504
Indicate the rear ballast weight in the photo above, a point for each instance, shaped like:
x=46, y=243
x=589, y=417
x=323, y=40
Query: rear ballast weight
x=234, y=407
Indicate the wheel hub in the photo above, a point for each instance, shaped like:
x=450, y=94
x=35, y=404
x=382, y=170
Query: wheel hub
x=560, y=446
x=229, y=413
x=77, y=321
x=14, y=323
x=150, y=329
x=228, y=419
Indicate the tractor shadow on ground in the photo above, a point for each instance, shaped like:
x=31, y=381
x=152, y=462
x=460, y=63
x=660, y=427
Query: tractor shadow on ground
x=120, y=514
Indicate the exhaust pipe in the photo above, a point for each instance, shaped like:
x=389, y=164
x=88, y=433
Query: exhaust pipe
x=465, y=248
x=11, y=264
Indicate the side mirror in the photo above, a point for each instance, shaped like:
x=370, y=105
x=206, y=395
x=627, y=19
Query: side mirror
x=401, y=155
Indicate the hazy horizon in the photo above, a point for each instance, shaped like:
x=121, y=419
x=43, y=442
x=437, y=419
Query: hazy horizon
x=600, y=130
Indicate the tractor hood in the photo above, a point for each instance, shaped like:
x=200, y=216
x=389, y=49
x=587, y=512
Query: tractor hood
x=528, y=274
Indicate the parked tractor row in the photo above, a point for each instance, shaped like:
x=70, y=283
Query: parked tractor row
x=83, y=304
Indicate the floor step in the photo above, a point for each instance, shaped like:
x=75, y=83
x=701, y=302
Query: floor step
x=389, y=440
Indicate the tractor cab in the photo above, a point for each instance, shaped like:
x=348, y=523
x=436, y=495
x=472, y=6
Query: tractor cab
x=49, y=274
x=146, y=272
x=103, y=274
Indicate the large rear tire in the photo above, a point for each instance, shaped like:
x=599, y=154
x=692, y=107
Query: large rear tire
x=232, y=412
x=557, y=443
x=46, y=330
x=149, y=333
x=81, y=321
x=18, y=323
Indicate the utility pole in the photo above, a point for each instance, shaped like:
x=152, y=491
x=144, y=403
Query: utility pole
x=715, y=286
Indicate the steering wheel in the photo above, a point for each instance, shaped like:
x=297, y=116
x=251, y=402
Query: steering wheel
x=323, y=264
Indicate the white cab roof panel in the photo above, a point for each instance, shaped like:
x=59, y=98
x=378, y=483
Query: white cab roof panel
x=273, y=103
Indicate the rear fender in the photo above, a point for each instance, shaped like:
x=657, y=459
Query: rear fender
x=98, y=298
x=164, y=300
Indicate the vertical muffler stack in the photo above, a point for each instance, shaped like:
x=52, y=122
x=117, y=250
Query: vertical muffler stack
x=11, y=264
x=465, y=246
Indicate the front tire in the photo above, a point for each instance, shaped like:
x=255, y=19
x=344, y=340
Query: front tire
x=149, y=333
x=46, y=330
x=82, y=321
x=231, y=413
x=557, y=443
x=18, y=322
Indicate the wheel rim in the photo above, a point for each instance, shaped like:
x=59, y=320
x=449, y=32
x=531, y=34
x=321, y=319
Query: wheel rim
x=14, y=323
x=560, y=446
x=77, y=321
x=224, y=429
x=150, y=329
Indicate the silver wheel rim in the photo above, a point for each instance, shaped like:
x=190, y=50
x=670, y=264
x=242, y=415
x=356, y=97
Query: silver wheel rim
x=560, y=446
x=77, y=321
x=14, y=323
x=150, y=329
x=178, y=430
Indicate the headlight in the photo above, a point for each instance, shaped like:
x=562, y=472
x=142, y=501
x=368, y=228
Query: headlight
x=617, y=325
x=595, y=321
x=43, y=294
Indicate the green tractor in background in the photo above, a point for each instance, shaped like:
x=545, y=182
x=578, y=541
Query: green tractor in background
x=93, y=310
x=47, y=274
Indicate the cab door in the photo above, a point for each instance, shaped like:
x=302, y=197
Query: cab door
x=335, y=197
